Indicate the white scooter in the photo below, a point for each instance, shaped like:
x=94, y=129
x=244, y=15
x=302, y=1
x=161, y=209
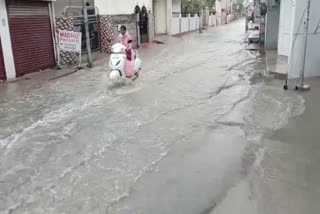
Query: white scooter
x=118, y=60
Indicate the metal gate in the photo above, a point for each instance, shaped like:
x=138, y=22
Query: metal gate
x=2, y=68
x=31, y=35
x=143, y=24
x=93, y=31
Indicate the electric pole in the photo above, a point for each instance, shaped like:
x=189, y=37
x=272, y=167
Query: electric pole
x=86, y=27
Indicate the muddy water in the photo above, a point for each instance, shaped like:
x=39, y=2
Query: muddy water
x=176, y=139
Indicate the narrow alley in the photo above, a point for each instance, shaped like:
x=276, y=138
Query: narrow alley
x=191, y=135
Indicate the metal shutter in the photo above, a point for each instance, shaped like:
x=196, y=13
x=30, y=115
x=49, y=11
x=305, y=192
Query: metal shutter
x=2, y=69
x=31, y=36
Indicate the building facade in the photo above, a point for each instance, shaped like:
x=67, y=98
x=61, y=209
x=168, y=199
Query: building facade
x=290, y=16
x=297, y=42
x=26, y=37
x=156, y=16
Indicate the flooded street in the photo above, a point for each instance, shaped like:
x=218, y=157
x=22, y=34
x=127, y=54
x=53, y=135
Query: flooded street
x=183, y=136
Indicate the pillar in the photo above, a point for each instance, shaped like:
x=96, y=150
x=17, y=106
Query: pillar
x=169, y=16
x=6, y=42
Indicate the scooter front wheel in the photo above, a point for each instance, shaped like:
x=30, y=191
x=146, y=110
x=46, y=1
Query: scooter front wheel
x=115, y=74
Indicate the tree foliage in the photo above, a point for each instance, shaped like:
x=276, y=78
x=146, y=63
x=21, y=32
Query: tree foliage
x=193, y=6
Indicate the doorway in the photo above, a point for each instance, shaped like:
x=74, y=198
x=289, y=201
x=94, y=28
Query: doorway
x=142, y=24
x=285, y=27
x=160, y=17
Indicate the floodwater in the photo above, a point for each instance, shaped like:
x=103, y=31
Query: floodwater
x=174, y=141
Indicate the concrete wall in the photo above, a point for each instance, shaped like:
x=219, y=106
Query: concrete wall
x=194, y=23
x=272, y=29
x=60, y=5
x=212, y=20
x=184, y=24
x=175, y=27
x=6, y=42
x=313, y=47
x=115, y=7
x=176, y=6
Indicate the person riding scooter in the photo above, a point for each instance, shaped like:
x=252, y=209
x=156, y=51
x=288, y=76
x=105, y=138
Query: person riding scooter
x=124, y=61
x=124, y=38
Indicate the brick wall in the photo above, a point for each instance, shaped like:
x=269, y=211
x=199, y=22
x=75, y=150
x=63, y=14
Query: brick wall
x=107, y=35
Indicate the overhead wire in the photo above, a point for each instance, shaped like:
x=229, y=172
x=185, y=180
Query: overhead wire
x=317, y=28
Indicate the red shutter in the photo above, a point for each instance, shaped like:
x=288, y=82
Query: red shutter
x=31, y=36
x=2, y=69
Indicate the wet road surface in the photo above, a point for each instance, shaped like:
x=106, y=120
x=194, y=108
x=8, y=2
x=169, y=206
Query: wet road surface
x=177, y=140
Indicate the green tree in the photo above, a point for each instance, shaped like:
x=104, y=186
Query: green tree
x=209, y=3
x=193, y=6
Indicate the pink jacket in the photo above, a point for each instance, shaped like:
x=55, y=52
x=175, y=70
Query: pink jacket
x=124, y=39
x=129, y=66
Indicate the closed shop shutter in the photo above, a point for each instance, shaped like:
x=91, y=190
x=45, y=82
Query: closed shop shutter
x=31, y=37
x=2, y=69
